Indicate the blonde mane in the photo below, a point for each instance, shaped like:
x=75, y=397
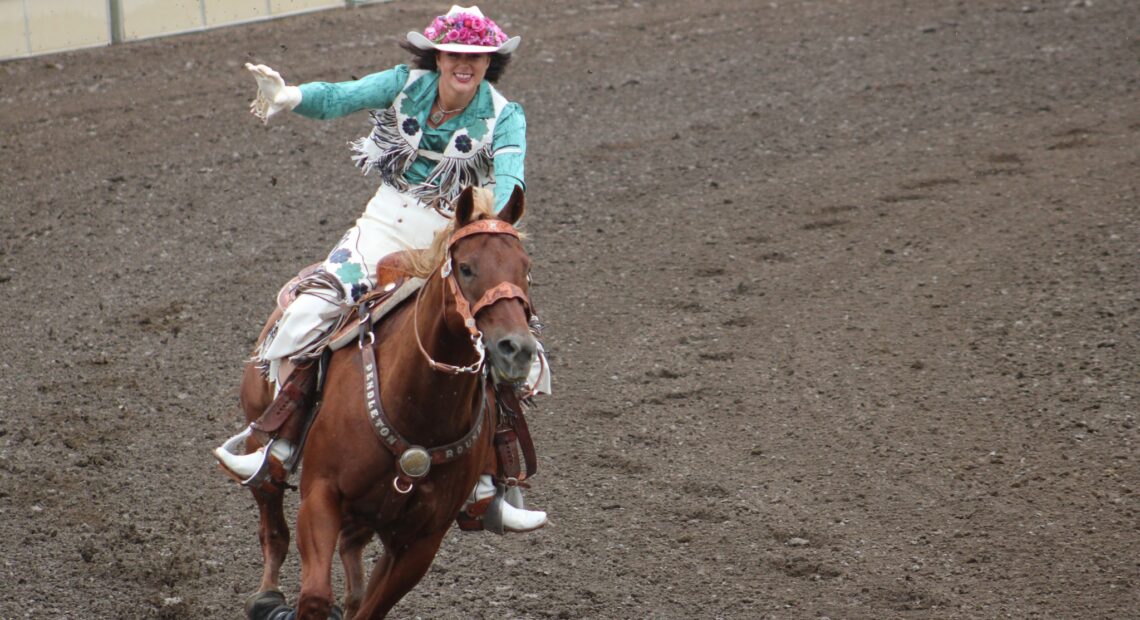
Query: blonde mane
x=421, y=264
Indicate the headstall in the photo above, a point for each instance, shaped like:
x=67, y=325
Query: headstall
x=499, y=292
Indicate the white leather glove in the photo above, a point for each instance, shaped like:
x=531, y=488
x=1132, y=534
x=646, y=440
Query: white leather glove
x=272, y=93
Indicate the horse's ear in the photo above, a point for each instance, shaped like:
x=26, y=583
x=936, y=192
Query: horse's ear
x=515, y=207
x=464, y=206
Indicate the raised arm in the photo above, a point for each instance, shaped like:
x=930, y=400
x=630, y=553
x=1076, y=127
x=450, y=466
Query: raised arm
x=324, y=100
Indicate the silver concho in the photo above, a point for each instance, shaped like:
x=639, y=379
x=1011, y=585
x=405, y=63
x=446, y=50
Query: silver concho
x=415, y=462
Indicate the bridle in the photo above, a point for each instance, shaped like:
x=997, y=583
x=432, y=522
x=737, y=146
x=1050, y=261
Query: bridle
x=502, y=290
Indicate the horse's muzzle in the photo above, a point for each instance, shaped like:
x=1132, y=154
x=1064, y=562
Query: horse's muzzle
x=512, y=356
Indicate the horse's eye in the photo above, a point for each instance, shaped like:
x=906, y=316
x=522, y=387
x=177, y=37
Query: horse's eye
x=465, y=269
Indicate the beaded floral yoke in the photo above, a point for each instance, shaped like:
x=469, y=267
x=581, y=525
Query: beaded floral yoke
x=394, y=145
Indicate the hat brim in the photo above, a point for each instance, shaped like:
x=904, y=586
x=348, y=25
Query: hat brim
x=424, y=43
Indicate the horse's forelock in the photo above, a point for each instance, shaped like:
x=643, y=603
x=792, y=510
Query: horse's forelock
x=423, y=263
x=484, y=205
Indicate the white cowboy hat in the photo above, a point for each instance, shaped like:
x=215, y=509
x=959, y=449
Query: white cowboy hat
x=464, y=30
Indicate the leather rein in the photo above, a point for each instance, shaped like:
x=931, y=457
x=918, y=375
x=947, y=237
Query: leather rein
x=415, y=461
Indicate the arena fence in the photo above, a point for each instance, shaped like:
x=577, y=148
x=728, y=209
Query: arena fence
x=34, y=27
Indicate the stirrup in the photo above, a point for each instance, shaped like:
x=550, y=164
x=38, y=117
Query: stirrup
x=470, y=519
x=514, y=497
x=494, y=509
x=234, y=445
x=262, y=472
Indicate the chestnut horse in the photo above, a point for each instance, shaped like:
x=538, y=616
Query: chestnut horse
x=351, y=482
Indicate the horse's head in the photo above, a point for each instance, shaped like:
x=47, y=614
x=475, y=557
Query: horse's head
x=492, y=271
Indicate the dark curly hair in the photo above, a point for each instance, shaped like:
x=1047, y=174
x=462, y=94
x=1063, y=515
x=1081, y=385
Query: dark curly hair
x=425, y=59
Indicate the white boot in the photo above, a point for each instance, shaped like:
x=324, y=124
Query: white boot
x=246, y=466
x=500, y=516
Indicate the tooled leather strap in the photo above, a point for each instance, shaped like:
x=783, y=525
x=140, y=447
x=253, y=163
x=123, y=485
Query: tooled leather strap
x=480, y=227
x=389, y=436
x=513, y=418
x=501, y=291
x=505, y=290
x=527, y=444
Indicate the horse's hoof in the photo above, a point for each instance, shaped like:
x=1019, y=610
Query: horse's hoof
x=261, y=606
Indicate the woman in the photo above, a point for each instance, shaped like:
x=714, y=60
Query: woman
x=438, y=127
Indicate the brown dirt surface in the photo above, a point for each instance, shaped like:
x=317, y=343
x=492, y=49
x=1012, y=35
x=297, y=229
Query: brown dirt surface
x=842, y=300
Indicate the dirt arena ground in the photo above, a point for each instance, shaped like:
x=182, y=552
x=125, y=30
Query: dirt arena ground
x=842, y=299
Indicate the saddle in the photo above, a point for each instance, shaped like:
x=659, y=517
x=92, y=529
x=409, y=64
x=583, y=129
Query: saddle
x=394, y=285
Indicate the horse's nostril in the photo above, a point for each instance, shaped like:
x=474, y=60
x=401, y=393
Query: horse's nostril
x=508, y=346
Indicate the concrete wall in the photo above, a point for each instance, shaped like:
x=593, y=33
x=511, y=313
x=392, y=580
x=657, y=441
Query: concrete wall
x=32, y=27
x=29, y=27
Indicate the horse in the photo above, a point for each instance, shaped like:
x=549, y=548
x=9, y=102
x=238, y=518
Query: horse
x=354, y=487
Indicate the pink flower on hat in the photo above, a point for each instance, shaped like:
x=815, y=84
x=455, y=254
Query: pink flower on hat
x=465, y=29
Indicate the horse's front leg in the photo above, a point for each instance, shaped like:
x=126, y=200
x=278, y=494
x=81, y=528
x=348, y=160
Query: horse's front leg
x=318, y=526
x=397, y=572
x=353, y=539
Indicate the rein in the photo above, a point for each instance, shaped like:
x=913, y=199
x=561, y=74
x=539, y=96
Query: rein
x=415, y=461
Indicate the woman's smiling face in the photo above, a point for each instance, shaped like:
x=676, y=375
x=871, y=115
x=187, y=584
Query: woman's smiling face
x=462, y=73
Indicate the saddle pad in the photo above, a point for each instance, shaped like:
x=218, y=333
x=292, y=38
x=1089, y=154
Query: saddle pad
x=347, y=334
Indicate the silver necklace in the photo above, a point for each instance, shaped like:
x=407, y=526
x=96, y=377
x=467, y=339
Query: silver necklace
x=437, y=116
